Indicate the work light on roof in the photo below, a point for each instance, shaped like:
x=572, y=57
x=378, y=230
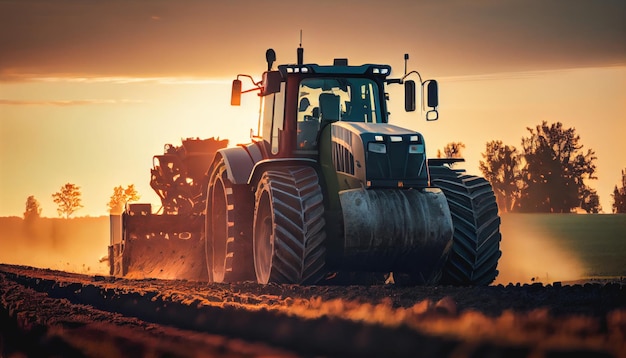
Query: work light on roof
x=380, y=70
x=297, y=69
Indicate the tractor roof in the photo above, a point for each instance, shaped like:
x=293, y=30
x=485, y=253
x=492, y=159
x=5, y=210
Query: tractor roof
x=342, y=69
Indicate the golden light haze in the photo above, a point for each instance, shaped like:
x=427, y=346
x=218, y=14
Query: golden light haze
x=90, y=91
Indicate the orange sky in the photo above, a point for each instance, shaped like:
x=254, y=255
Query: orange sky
x=90, y=91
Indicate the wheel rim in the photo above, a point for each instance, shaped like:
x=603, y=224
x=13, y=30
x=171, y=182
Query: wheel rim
x=263, y=240
x=219, y=232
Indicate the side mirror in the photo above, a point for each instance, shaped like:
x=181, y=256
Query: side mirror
x=409, y=96
x=235, y=96
x=432, y=115
x=432, y=92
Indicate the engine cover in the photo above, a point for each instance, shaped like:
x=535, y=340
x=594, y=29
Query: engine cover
x=378, y=155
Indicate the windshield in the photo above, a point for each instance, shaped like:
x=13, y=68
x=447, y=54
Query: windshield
x=344, y=99
x=334, y=99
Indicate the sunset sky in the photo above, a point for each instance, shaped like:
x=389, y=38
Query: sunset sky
x=91, y=90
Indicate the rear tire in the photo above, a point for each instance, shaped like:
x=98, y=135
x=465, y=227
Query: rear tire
x=224, y=255
x=475, y=250
x=289, y=227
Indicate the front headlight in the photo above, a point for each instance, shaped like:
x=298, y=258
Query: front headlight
x=380, y=148
x=416, y=148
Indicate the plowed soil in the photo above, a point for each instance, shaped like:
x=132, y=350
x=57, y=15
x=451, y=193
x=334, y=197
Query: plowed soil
x=58, y=314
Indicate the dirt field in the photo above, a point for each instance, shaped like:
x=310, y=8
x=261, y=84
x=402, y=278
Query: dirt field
x=51, y=313
x=58, y=313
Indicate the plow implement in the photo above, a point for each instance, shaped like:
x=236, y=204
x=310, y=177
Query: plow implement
x=157, y=246
x=168, y=245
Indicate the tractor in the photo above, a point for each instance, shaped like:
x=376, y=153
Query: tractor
x=327, y=185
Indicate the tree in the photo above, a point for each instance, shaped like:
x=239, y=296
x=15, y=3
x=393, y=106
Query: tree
x=68, y=200
x=501, y=167
x=120, y=197
x=556, y=169
x=452, y=150
x=619, y=196
x=590, y=201
x=33, y=210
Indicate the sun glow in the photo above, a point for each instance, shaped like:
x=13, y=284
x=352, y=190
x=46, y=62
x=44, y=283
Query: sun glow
x=103, y=132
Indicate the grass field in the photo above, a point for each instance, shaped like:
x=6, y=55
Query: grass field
x=584, y=245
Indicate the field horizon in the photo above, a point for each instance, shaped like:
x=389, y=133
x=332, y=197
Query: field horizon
x=535, y=247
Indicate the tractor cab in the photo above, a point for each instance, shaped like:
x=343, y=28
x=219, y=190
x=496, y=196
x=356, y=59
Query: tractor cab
x=298, y=101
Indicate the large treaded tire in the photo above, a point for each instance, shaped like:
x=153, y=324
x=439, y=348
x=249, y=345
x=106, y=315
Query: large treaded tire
x=225, y=256
x=475, y=250
x=289, y=227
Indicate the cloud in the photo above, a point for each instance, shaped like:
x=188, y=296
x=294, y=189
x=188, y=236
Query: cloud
x=77, y=78
x=171, y=38
x=499, y=76
x=66, y=103
x=128, y=80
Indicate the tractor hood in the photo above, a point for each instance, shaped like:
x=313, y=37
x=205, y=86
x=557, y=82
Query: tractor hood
x=379, y=154
x=375, y=128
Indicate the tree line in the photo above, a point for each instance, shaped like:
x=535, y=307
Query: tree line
x=69, y=200
x=549, y=174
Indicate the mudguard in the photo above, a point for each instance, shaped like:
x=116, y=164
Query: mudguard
x=239, y=161
x=245, y=163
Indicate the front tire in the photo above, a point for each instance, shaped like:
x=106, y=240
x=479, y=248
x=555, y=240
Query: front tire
x=289, y=227
x=225, y=256
x=475, y=250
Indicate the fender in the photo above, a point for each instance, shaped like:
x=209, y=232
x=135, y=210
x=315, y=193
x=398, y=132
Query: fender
x=245, y=163
x=239, y=161
x=259, y=167
x=439, y=162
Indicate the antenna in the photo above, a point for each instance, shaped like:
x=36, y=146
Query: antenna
x=300, y=51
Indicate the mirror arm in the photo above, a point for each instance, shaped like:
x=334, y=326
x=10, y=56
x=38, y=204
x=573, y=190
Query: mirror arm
x=251, y=90
x=257, y=84
x=401, y=80
x=410, y=73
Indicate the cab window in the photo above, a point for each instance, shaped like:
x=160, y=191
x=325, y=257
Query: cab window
x=334, y=99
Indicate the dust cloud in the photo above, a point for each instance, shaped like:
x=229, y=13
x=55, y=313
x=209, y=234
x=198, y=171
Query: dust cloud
x=75, y=245
x=79, y=245
x=529, y=254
